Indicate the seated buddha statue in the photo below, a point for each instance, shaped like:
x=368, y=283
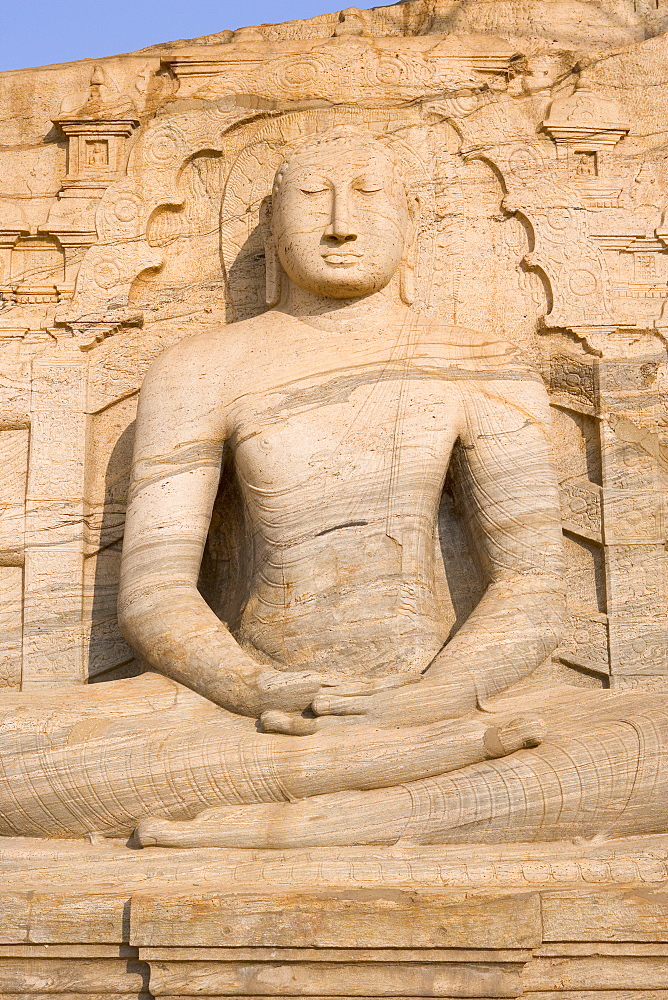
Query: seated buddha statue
x=340, y=706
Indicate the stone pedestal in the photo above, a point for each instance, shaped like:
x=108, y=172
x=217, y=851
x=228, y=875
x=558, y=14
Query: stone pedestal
x=105, y=921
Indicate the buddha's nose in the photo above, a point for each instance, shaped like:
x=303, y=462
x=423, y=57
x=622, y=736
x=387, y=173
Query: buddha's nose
x=341, y=228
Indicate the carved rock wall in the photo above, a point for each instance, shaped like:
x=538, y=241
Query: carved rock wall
x=535, y=133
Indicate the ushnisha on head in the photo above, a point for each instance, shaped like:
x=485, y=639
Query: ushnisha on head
x=341, y=221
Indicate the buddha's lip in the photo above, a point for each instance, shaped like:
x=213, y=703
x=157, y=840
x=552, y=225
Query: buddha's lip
x=343, y=255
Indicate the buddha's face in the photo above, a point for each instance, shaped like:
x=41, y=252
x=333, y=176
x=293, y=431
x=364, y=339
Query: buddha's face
x=340, y=218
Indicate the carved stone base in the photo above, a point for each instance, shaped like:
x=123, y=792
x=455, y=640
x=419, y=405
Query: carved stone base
x=536, y=921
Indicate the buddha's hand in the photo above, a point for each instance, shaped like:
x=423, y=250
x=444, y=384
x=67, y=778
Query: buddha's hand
x=385, y=702
x=268, y=689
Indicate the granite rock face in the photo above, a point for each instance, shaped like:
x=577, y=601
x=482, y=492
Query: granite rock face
x=394, y=286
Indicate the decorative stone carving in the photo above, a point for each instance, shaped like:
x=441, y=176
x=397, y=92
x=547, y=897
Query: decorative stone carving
x=96, y=134
x=585, y=119
x=347, y=63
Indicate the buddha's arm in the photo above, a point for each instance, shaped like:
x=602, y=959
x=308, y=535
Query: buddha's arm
x=510, y=494
x=176, y=468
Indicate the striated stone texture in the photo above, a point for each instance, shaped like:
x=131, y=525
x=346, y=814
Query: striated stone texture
x=394, y=571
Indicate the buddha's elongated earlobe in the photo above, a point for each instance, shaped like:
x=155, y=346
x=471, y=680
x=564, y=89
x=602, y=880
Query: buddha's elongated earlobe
x=272, y=295
x=407, y=266
x=407, y=282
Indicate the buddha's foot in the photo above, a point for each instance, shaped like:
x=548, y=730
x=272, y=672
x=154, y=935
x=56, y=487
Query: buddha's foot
x=521, y=733
x=335, y=820
x=240, y=826
x=376, y=816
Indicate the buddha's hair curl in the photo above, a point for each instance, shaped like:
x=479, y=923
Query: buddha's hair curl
x=347, y=133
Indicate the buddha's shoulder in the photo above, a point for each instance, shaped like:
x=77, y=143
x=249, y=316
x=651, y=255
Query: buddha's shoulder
x=471, y=349
x=212, y=353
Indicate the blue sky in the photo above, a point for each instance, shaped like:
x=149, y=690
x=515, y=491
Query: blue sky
x=38, y=32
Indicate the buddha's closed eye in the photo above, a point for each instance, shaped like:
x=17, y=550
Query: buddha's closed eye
x=368, y=185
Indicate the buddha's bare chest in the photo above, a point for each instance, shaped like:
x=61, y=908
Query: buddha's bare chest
x=333, y=437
